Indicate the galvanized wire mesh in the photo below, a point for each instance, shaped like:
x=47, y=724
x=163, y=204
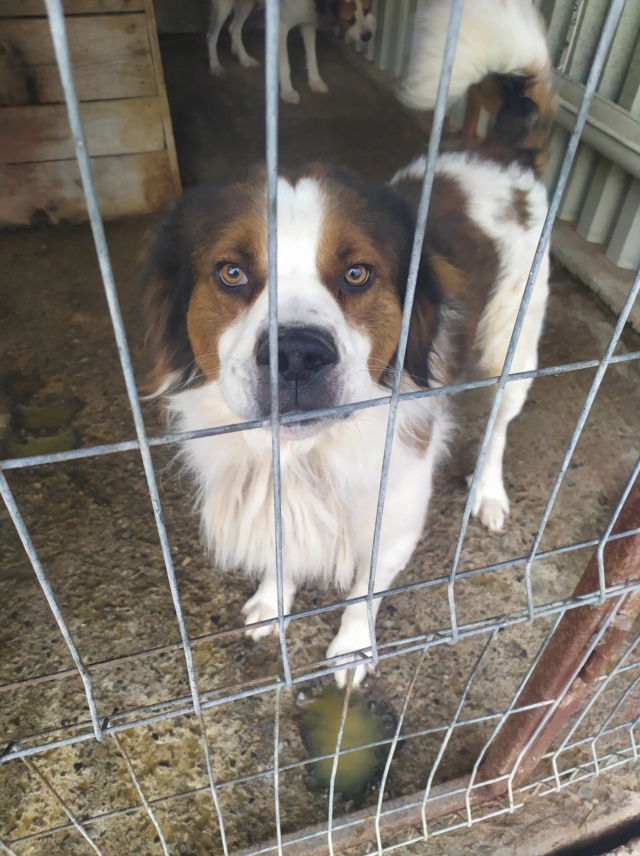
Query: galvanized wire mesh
x=602, y=737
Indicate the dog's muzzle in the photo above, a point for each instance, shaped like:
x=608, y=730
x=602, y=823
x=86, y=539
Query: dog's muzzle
x=307, y=358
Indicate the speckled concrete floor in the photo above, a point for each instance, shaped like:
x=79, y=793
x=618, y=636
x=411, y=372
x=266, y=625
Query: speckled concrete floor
x=91, y=522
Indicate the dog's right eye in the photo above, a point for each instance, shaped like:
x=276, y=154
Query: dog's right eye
x=232, y=275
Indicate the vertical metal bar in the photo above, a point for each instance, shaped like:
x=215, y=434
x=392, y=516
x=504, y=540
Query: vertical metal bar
x=608, y=30
x=394, y=743
x=336, y=758
x=601, y=204
x=141, y=794
x=559, y=28
x=402, y=29
x=59, y=37
x=607, y=534
x=452, y=725
x=625, y=695
x=576, y=723
x=4, y=848
x=272, y=30
x=559, y=699
x=632, y=737
x=586, y=407
x=579, y=183
x=31, y=552
x=574, y=634
x=514, y=700
x=276, y=768
x=62, y=803
x=623, y=248
x=418, y=240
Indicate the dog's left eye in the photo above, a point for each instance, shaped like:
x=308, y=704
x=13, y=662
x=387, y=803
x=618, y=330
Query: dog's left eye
x=232, y=275
x=357, y=276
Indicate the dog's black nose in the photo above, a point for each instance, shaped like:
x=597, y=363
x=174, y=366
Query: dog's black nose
x=366, y=36
x=302, y=353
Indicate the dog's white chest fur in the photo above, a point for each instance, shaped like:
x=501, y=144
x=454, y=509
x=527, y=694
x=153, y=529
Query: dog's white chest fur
x=329, y=490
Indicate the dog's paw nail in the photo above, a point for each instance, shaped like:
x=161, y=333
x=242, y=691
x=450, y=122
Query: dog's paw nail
x=491, y=512
x=256, y=610
x=349, y=644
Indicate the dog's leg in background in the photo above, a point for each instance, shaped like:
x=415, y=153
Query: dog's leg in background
x=220, y=11
x=316, y=83
x=287, y=92
x=264, y=604
x=491, y=503
x=242, y=11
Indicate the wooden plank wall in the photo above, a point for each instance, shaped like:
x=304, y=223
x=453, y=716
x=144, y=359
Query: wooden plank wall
x=119, y=81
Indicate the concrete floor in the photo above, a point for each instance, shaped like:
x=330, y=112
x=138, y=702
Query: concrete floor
x=91, y=522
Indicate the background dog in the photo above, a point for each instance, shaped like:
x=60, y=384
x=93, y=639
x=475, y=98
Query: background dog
x=344, y=246
x=353, y=16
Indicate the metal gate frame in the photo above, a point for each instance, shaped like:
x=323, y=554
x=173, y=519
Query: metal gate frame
x=597, y=617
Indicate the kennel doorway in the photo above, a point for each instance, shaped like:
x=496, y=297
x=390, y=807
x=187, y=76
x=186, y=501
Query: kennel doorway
x=189, y=744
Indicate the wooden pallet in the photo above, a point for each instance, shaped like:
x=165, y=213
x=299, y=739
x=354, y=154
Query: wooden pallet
x=120, y=84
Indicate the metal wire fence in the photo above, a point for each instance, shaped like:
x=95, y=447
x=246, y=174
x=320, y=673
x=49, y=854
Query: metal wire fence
x=600, y=737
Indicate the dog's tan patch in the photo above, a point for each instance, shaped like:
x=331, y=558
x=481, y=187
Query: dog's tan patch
x=351, y=236
x=347, y=9
x=212, y=308
x=416, y=436
x=186, y=306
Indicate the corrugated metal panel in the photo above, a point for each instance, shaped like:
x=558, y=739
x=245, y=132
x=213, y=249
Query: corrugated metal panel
x=602, y=198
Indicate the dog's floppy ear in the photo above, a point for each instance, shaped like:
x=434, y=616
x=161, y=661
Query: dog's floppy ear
x=424, y=326
x=167, y=285
x=458, y=268
x=427, y=302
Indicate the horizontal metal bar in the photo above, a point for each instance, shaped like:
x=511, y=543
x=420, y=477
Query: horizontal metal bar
x=45, y=585
x=610, y=761
x=268, y=771
x=316, y=610
x=293, y=418
x=387, y=650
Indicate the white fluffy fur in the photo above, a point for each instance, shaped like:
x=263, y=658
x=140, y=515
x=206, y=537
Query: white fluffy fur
x=293, y=13
x=501, y=36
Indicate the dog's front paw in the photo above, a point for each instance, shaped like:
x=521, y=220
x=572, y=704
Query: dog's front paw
x=350, y=641
x=249, y=62
x=491, y=506
x=217, y=70
x=290, y=96
x=256, y=609
x=318, y=86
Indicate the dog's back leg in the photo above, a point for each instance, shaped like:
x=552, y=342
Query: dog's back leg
x=220, y=11
x=316, y=83
x=490, y=503
x=242, y=11
x=287, y=92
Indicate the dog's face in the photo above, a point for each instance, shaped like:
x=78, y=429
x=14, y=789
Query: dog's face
x=343, y=252
x=356, y=19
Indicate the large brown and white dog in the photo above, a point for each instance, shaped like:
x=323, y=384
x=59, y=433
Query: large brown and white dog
x=353, y=16
x=343, y=254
